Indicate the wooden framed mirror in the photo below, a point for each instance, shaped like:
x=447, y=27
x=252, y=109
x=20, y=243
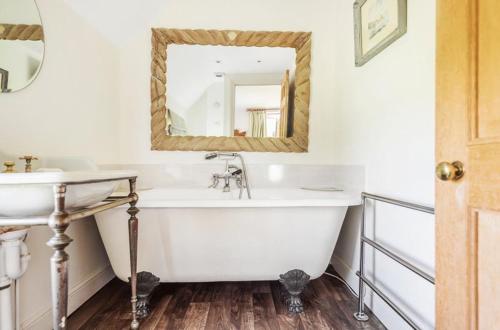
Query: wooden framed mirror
x=229, y=90
x=22, y=44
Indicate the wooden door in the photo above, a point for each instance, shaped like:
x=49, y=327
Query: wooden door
x=468, y=130
x=284, y=106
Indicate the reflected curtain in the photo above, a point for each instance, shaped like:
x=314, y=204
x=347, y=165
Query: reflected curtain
x=176, y=125
x=258, y=127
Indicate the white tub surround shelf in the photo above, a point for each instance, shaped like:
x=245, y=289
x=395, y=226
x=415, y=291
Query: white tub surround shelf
x=56, y=199
x=264, y=198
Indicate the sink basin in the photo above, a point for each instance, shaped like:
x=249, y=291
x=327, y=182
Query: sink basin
x=31, y=194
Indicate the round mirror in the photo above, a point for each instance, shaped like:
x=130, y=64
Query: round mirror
x=21, y=44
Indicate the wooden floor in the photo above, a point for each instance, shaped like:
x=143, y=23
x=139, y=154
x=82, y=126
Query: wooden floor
x=228, y=305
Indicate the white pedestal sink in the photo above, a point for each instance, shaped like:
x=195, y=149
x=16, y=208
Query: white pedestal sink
x=31, y=194
x=56, y=199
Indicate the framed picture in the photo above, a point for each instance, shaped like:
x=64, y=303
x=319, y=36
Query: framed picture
x=377, y=24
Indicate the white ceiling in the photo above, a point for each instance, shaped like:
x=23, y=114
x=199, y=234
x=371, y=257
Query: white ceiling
x=117, y=20
x=191, y=68
x=247, y=97
x=233, y=60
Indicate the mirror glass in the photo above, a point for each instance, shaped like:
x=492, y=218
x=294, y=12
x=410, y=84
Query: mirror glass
x=230, y=90
x=21, y=44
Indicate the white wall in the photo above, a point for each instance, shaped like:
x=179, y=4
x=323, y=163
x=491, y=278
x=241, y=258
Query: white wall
x=384, y=119
x=76, y=87
x=196, y=117
x=296, y=15
x=68, y=110
x=215, y=109
x=206, y=115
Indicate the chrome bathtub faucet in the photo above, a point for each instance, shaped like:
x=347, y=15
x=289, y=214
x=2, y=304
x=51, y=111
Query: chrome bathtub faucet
x=231, y=172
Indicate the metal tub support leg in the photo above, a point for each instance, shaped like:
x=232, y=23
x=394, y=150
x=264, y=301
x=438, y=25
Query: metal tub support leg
x=294, y=282
x=133, y=230
x=59, y=222
x=146, y=283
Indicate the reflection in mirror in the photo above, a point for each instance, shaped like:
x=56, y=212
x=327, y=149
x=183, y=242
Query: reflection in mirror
x=21, y=44
x=230, y=91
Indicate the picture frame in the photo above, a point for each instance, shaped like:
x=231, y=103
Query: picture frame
x=377, y=24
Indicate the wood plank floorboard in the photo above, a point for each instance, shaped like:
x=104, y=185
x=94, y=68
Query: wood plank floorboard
x=225, y=305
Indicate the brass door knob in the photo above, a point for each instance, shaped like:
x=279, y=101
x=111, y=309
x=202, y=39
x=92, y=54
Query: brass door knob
x=446, y=171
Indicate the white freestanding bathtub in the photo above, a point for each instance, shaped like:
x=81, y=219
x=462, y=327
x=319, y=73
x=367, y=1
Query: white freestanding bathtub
x=205, y=235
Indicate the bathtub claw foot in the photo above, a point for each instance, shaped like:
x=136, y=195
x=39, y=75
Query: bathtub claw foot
x=294, y=282
x=146, y=283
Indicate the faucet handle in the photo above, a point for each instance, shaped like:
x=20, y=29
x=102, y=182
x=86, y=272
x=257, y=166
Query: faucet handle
x=215, y=181
x=28, y=159
x=237, y=172
x=9, y=166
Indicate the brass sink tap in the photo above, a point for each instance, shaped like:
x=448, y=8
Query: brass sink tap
x=28, y=159
x=9, y=166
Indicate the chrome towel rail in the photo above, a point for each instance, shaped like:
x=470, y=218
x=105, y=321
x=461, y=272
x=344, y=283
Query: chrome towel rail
x=360, y=315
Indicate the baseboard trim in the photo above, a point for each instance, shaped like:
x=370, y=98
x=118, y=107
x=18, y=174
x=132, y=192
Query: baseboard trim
x=76, y=297
x=345, y=271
